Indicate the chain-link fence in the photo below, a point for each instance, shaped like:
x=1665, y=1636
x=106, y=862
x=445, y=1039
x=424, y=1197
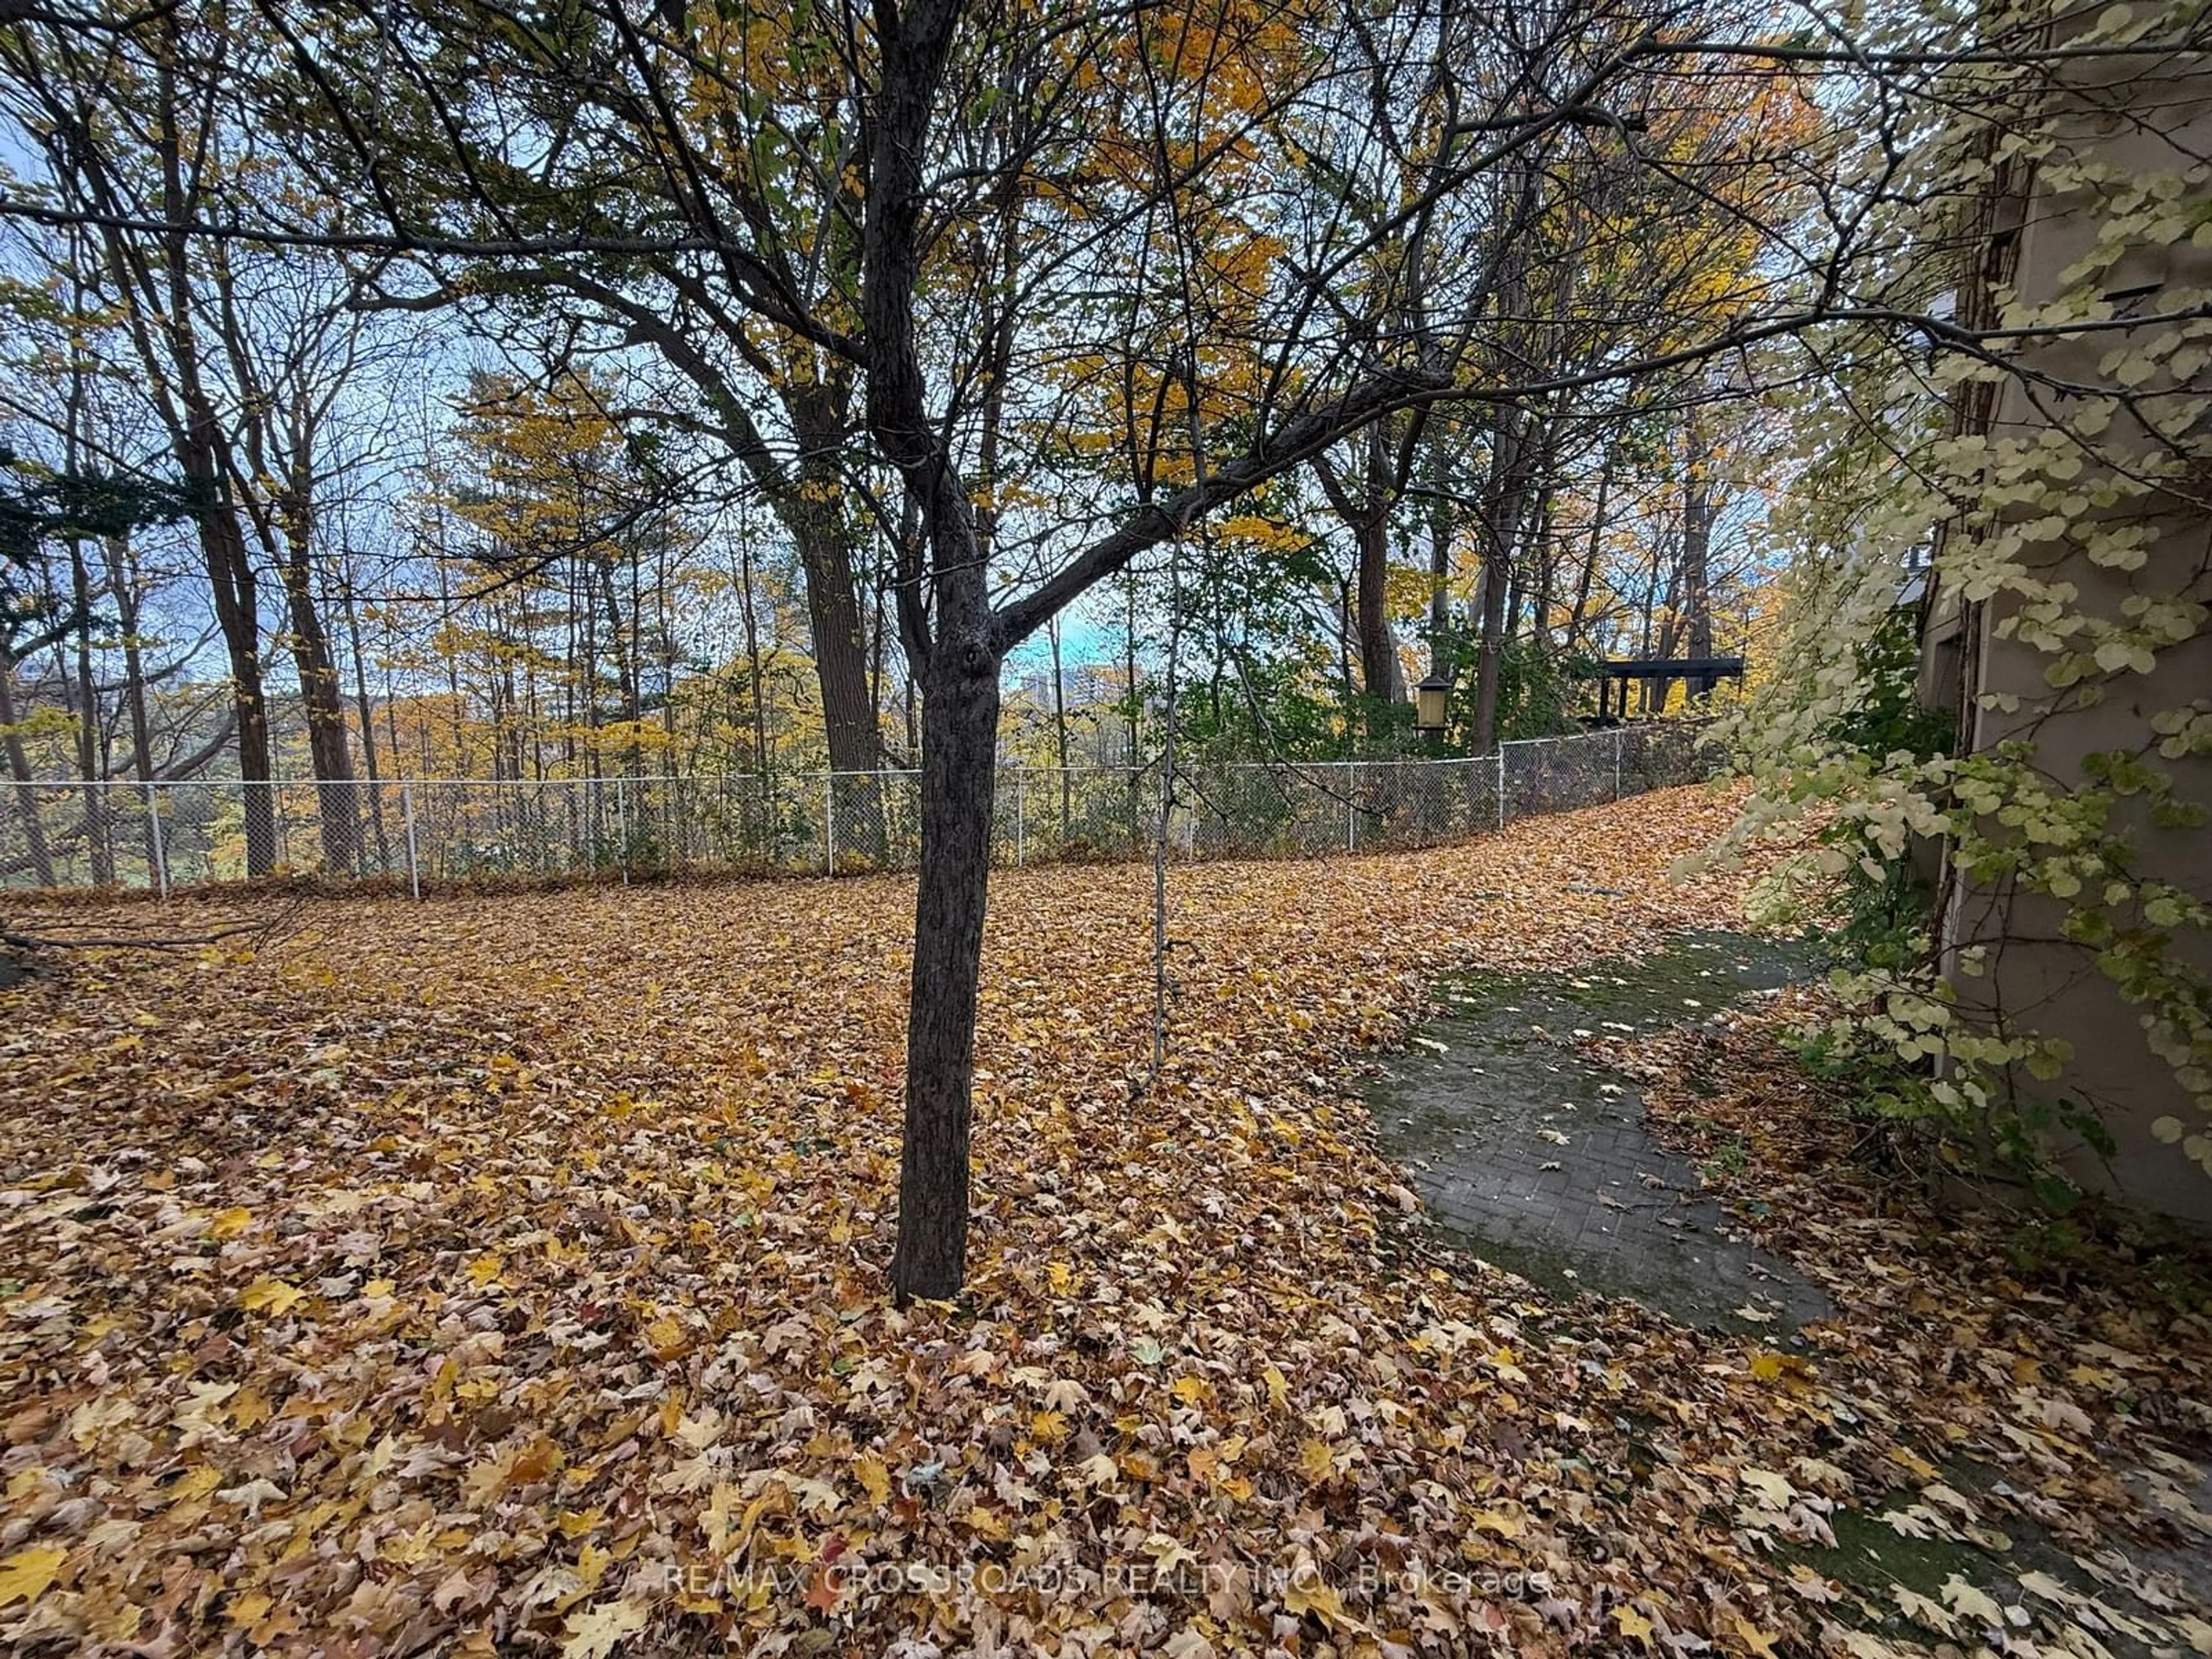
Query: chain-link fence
x=428, y=831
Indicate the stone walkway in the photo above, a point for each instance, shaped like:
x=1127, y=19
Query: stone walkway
x=1536, y=1161
x=1539, y=1162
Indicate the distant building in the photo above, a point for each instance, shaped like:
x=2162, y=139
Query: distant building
x=1095, y=695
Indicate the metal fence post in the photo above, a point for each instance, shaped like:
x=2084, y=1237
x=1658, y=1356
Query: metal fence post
x=407, y=817
x=1350, y=823
x=154, y=834
x=829, y=821
x=1021, y=818
x=621, y=829
x=1501, y=785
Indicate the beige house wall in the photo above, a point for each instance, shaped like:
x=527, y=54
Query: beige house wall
x=2142, y=124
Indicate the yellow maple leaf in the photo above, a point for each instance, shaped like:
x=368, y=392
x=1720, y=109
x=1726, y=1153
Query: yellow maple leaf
x=249, y=1408
x=1319, y=1599
x=1049, y=1426
x=1633, y=1623
x=409, y=1549
x=1497, y=1521
x=228, y=1224
x=25, y=1575
x=270, y=1296
x=987, y=1523
x=197, y=1482
x=598, y=1631
x=1316, y=1461
x=714, y=1519
x=875, y=1480
x=1920, y=1466
x=592, y=1566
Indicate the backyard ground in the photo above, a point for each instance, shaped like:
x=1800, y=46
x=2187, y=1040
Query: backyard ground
x=505, y=1273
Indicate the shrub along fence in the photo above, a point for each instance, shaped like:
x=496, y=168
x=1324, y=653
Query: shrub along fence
x=161, y=835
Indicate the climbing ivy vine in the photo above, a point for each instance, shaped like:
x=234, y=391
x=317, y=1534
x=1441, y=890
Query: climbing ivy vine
x=2013, y=432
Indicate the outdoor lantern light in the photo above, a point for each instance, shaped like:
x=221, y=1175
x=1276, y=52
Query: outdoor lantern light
x=1429, y=702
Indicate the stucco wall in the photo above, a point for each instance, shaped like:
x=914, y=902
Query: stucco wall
x=2142, y=124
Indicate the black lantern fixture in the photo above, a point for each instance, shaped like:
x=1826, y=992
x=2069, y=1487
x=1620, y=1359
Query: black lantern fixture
x=1430, y=698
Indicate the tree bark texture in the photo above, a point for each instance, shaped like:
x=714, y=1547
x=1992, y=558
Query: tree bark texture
x=959, y=743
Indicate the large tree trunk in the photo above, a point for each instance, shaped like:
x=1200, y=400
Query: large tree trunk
x=1379, y=672
x=19, y=768
x=230, y=573
x=1502, y=490
x=959, y=753
x=1442, y=530
x=1697, y=548
x=841, y=668
x=99, y=826
x=1588, y=572
x=1501, y=520
x=1367, y=513
x=1663, y=604
x=1059, y=734
x=99, y=802
x=123, y=584
x=368, y=723
x=162, y=304
x=816, y=521
x=329, y=753
x=815, y=516
x=623, y=642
